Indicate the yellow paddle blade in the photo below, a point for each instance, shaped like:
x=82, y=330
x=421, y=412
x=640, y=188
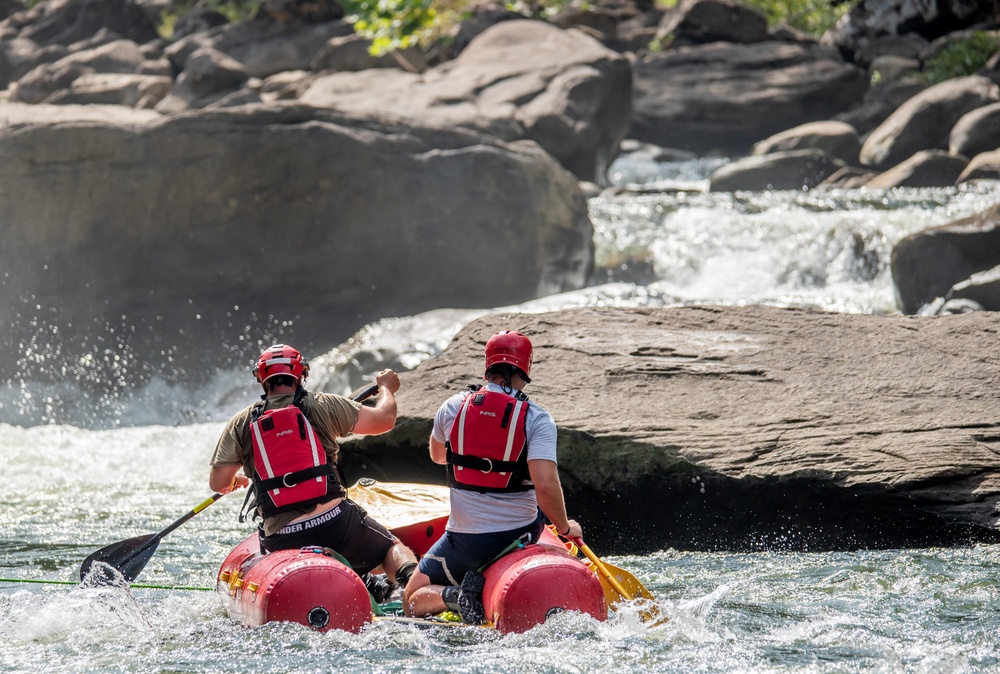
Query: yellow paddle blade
x=650, y=613
x=619, y=585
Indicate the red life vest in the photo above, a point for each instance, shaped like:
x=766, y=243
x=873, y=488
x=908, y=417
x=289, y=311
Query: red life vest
x=290, y=462
x=487, y=449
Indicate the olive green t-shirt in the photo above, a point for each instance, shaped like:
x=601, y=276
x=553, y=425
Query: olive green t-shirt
x=332, y=417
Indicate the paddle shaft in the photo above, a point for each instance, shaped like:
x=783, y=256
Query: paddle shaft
x=603, y=569
x=155, y=540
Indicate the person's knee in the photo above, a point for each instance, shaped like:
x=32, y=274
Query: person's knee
x=418, y=580
x=402, y=552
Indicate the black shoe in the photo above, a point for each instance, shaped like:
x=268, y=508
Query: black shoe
x=379, y=587
x=470, y=598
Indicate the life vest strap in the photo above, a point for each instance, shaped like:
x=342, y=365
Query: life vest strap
x=480, y=463
x=289, y=480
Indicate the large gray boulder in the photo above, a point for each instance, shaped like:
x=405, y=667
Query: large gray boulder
x=927, y=168
x=516, y=80
x=837, y=139
x=982, y=290
x=925, y=265
x=208, y=76
x=262, y=46
x=140, y=91
x=202, y=233
x=881, y=100
x=723, y=97
x=984, y=166
x=18, y=57
x=925, y=121
x=117, y=56
x=63, y=22
x=743, y=428
x=976, y=132
x=786, y=170
x=700, y=21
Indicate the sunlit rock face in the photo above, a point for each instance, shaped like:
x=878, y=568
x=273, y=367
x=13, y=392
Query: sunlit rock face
x=135, y=244
x=516, y=80
x=740, y=428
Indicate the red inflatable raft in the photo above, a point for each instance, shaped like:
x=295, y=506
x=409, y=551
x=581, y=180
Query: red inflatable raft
x=313, y=588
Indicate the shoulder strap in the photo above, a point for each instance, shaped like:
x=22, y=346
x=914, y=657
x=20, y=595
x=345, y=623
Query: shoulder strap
x=249, y=505
x=258, y=409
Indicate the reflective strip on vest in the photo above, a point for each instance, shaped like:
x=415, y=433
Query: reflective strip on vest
x=263, y=452
x=312, y=444
x=511, y=430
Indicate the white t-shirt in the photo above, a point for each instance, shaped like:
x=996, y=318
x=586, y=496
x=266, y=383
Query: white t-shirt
x=476, y=513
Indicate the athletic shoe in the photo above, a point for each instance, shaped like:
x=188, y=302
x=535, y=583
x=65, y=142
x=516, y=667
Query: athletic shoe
x=470, y=598
x=380, y=587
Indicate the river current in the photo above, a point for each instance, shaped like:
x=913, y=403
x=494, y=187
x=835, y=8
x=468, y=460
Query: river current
x=79, y=473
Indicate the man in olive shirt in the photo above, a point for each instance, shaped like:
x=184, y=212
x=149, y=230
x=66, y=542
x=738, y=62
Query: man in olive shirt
x=329, y=520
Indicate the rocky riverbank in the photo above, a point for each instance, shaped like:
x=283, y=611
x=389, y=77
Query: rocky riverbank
x=253, y=180
x=727, y=428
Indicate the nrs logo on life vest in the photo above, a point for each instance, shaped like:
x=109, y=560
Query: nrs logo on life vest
x=280, y=433
x=487, y=414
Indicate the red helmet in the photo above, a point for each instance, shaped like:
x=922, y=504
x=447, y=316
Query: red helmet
x=509, y=347
x=280, y=359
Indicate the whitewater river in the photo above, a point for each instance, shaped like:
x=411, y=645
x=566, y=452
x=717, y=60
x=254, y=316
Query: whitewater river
x=79, y=473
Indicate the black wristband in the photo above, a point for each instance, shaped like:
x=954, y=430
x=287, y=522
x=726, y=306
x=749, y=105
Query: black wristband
x=568, y=527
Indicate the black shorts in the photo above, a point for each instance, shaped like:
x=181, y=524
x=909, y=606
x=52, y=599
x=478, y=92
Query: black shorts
x=346, y=528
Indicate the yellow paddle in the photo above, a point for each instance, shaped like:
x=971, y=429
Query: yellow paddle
x=620, y=585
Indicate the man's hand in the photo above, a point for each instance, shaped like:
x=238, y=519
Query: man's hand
x=239, y=482
x=388, y=379
x=575, y=530
x=382, y=417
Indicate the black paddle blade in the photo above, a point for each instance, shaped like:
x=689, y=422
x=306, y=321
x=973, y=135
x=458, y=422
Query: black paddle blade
x=129, y=556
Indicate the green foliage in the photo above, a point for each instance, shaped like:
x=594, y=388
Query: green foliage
x=661, y=43
x=814, y=17
x=165, y=28
x=393, y=24
x=234, y=10
x=961, y=57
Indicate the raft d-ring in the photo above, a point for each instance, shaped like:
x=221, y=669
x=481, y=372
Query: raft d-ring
x=284, y=481
x=490, y=469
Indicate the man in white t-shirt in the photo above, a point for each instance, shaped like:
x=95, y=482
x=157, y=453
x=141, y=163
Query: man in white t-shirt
x=500, y=452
